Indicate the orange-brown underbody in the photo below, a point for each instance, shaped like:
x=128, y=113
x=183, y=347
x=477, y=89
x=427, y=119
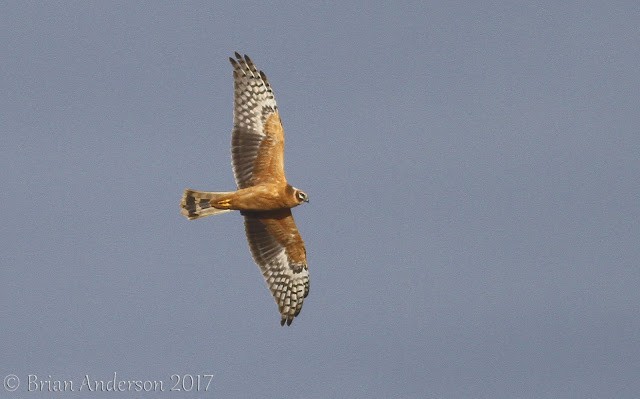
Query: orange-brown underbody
x=266, y=197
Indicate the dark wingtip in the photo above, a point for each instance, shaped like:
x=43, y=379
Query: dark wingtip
x=238, y=56
x=287, y=320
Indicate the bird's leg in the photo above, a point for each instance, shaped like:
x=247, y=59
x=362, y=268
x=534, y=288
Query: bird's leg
x=223, y=204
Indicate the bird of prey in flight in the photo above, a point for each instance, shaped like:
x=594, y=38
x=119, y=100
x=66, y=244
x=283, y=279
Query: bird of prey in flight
x=264, y=197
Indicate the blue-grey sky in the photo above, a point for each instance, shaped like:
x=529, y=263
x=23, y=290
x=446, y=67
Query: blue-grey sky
x=473, y=169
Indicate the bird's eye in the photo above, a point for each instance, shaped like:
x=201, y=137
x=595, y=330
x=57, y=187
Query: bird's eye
x=301, y=196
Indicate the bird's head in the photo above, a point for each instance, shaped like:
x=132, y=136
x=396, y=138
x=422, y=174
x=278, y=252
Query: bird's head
x=301, y=196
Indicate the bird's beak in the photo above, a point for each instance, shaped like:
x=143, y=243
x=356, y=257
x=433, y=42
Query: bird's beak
x=306, y=200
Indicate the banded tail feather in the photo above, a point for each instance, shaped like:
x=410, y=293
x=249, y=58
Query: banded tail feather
x=197, y=204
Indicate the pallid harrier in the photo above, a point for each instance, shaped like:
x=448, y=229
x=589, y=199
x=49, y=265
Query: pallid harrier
x=263, y=197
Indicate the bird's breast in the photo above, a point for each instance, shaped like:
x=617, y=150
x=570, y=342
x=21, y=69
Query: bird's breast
x=261, y=198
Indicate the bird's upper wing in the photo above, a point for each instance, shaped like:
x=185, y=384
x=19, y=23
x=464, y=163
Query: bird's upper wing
x=278, y=249
x=257, y=140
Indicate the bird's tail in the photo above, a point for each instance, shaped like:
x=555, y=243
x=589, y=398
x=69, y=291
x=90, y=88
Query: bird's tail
x=197, y=204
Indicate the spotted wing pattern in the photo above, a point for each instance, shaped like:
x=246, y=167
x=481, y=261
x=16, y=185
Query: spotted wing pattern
x=254, y=106
x=279, y=250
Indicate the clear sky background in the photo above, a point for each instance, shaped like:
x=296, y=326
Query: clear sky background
x=474, y=176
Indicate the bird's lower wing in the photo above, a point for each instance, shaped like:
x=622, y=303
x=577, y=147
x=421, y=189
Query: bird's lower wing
x=279, y=251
